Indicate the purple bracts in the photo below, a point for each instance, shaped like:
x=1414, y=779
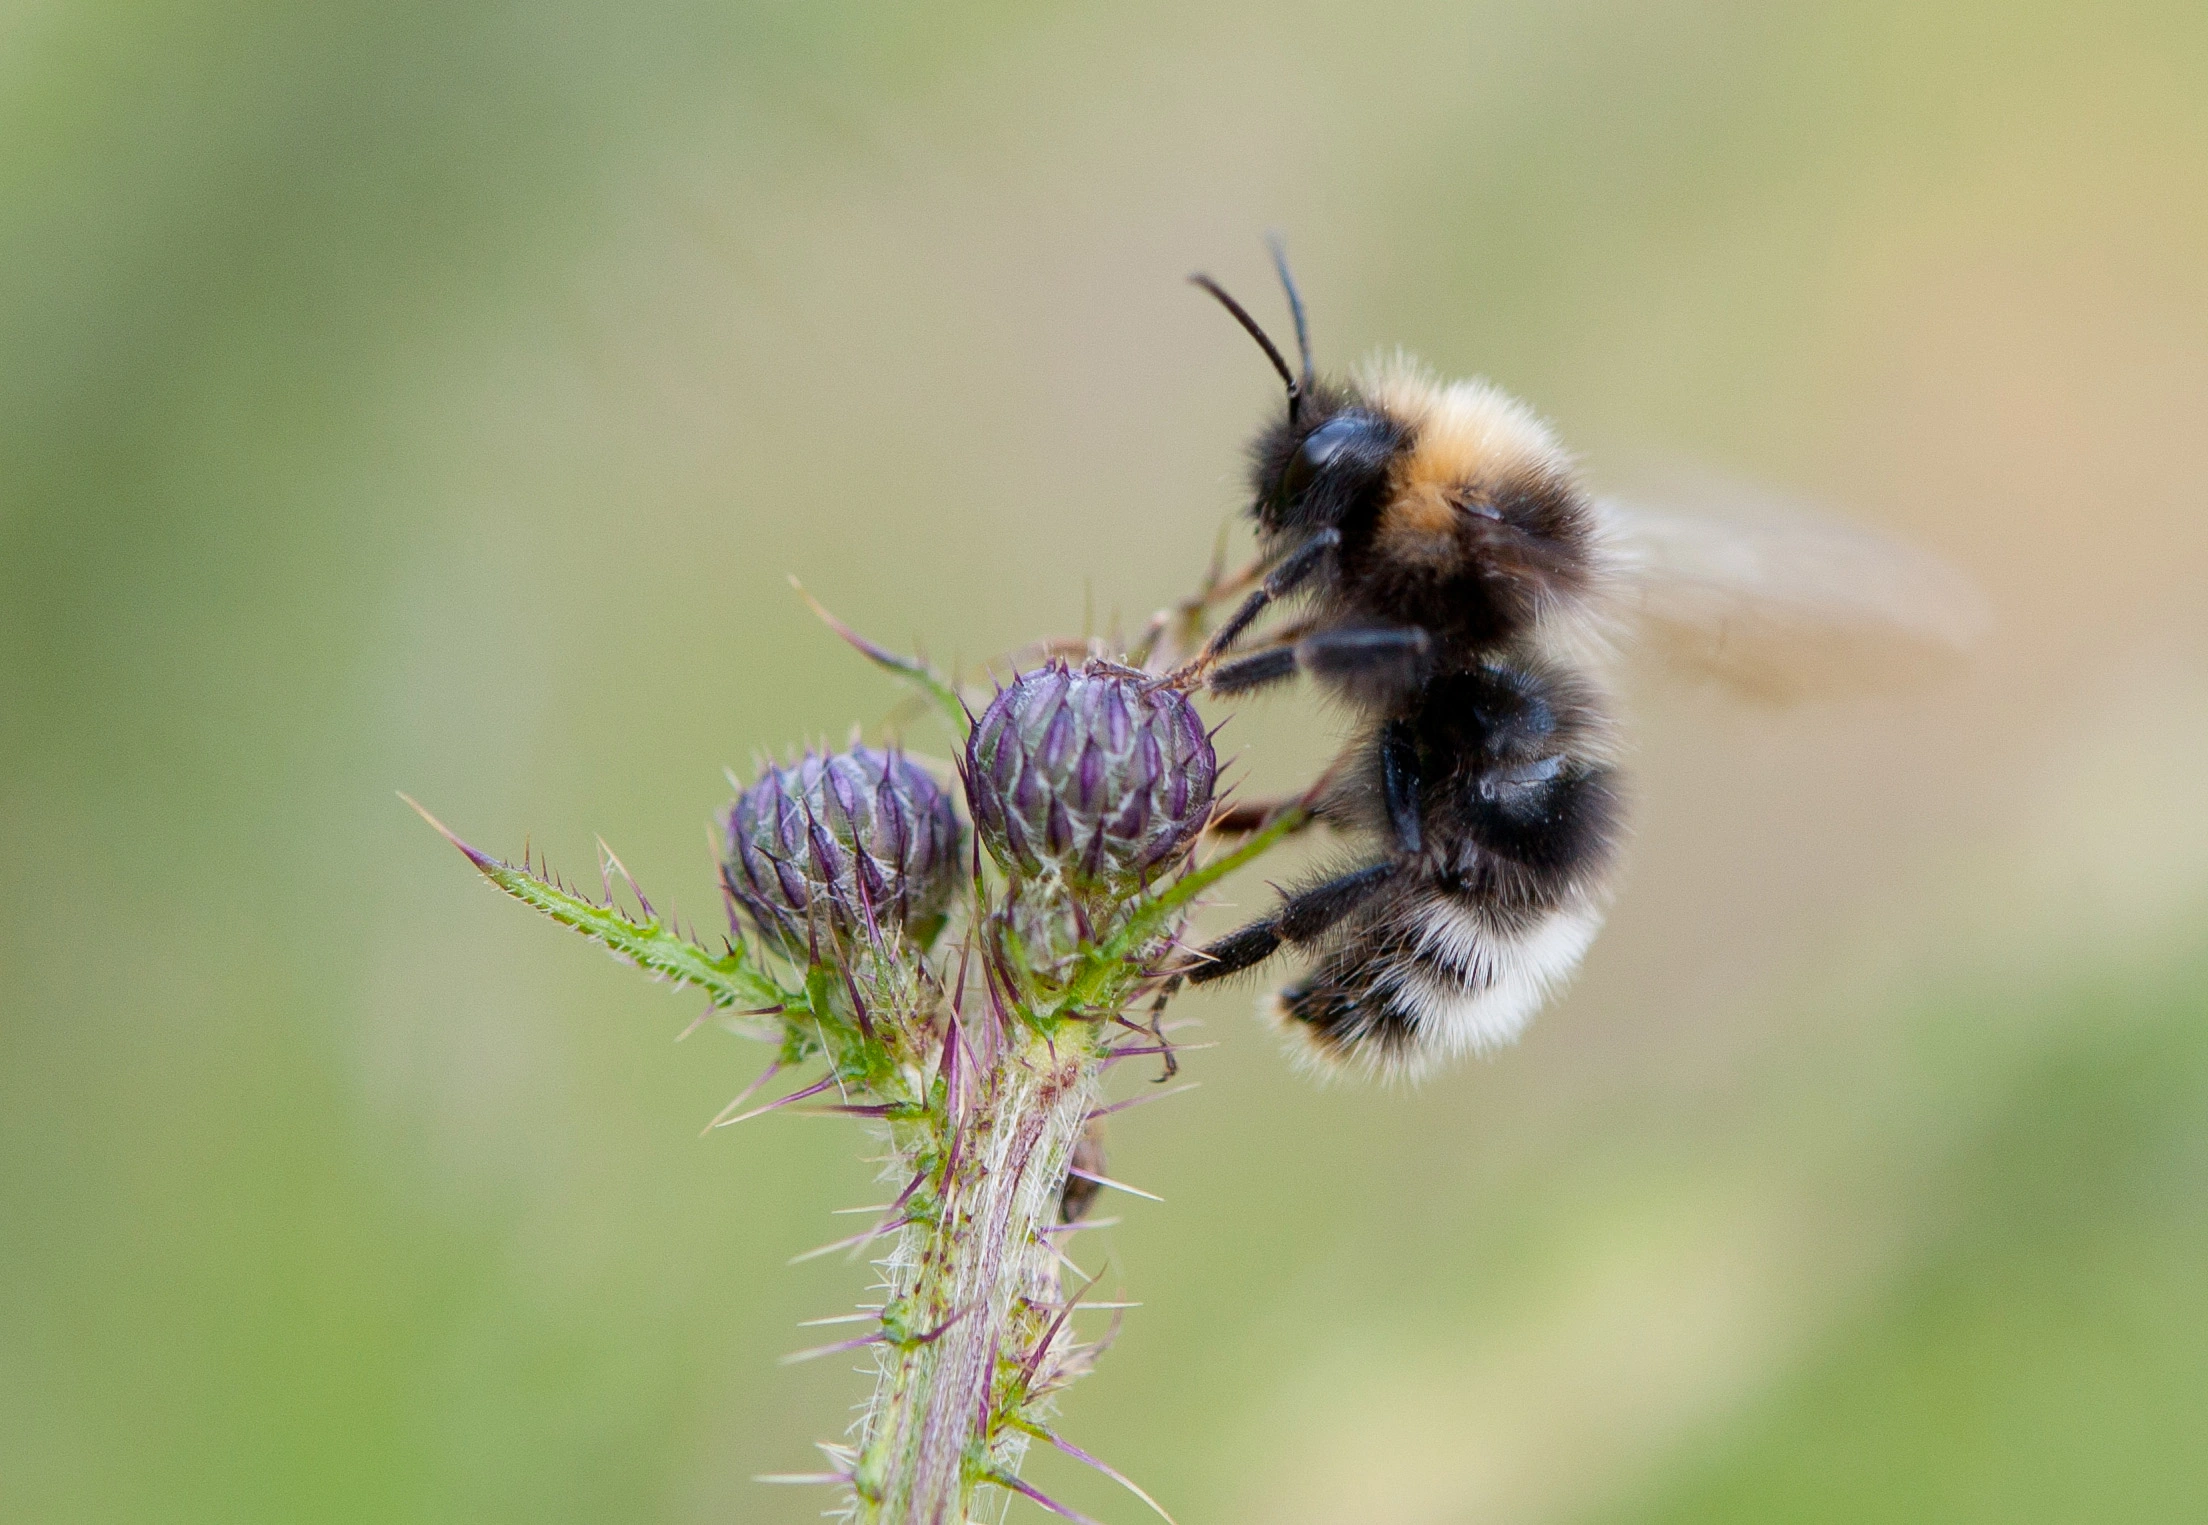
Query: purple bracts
x=851, y=845
x=1097, y=777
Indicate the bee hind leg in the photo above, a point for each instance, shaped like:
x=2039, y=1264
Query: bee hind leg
x=1303, y=916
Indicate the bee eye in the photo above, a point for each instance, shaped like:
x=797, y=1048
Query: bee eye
x=1353, y=442
x=1330, y=439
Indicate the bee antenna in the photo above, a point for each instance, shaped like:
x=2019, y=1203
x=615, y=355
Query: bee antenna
x=1279, y=248
x=1264, y=341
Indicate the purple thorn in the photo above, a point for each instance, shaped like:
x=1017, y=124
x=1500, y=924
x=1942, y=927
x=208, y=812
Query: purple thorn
x=481, y=860
x=816, y=1352
x=880, y=655
x=950, y=1160
x=997, y=1000
x=697, y=1022
x=905, y=1196
x=743, y=1096
x=1006, y=1480
x=856, y=1241
x=996, y=1347
x=1109, y=1471
x=1034, y=1359
x=1103, y=1180
x=954, y=1074
x=1062, y=1258
x=941, y=1329
x=814, y=1089
x=858, y=1005
x=1136, y=1101
x=626, y=876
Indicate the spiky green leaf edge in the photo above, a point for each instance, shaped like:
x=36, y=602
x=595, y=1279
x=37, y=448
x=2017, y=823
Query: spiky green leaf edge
x=730, y=979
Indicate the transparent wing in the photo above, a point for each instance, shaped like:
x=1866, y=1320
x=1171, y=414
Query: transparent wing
x=1779, y=604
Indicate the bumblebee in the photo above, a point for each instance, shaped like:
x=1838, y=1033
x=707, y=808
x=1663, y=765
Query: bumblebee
x=1459, y=589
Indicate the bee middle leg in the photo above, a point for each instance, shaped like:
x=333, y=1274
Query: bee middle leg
x=1307, y=914
x=1378, y=663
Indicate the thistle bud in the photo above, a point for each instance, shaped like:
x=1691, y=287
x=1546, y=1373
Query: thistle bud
x=837, y=847
x=1097, y=777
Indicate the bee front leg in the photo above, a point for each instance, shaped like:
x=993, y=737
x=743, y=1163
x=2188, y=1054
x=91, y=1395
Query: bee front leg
x=1292, y=572
x=1260, y=669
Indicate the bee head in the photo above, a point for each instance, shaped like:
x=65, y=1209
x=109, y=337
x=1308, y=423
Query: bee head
x=1328, y=452
x=1319, y=469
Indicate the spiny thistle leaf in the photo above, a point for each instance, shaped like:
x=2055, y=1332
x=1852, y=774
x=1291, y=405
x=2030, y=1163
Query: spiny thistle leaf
x=650, y=943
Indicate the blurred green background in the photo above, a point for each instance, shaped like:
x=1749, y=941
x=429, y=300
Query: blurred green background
x=434, y=396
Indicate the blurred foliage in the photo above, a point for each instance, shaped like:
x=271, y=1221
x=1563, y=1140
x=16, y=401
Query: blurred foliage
x=434, y=396
x=2044, y=1357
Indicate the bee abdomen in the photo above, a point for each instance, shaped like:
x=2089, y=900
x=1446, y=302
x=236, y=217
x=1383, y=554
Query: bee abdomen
x=1447, y=980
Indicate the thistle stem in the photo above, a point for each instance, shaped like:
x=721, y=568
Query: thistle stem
x=977, y=1289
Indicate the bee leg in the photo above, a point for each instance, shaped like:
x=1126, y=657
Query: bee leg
x=1311, y=912
x=1295, y=569
x=1238, y=950
x=1307, y=914
x=1379, y=664
x=1260, y=669
x=1183, y=621
x=1157, y=1028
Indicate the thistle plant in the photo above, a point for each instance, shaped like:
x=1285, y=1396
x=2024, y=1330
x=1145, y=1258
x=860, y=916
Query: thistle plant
x=962, y=994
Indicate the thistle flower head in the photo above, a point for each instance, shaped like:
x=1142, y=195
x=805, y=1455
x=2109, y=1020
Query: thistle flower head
x=842, y=846
x=1098, y=778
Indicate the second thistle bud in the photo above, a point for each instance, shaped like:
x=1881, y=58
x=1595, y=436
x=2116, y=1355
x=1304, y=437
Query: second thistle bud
x=848, y=846
x=1099, y=778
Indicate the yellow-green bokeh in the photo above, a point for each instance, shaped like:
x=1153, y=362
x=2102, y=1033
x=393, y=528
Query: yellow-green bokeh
x=435, y=396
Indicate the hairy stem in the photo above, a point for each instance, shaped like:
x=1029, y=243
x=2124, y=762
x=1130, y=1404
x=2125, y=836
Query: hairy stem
x=977, y=1289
